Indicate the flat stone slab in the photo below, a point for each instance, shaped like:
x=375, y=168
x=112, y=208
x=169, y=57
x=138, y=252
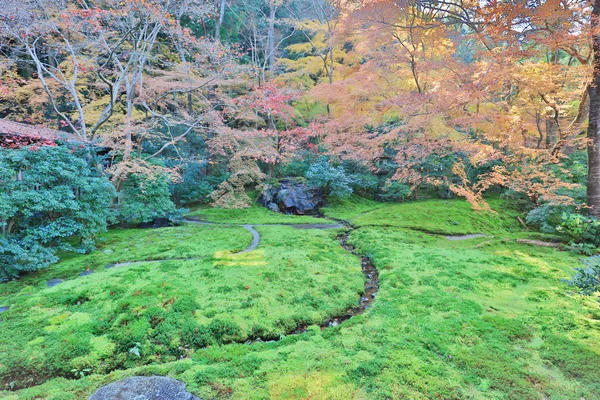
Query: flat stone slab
x=144, y=388
x=466, y=237
x=54, y=282
x=86, y=273
x=4, y=308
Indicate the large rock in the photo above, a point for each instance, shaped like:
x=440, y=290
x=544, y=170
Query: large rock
x=292, y=197
x=144, y=388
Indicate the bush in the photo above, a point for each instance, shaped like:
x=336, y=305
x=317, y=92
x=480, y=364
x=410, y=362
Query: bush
x=297, y=166
x=48, y=196
x=587, y=278
x=145, y=198
x=364, y=184
x=585, y=249
x=394, y=191
x=195, y=186
x=362, y=180
x=547, y=217
x=333, y=180
x=580, y=228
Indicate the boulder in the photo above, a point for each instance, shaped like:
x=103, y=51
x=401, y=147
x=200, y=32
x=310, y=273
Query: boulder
x=273, y=207
x=292, y=197
x=267, y=196
x=144, y=388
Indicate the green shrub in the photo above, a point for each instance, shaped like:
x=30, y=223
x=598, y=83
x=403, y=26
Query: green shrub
x=195, y=186
x=586, y=249
x=362, y=180
x=146, y=198
x=333, y=180
x=587, y=278
x=394, y=191
x=547, y=217
x=364, y=184
x=580, y=228
x=297, y=166
x=48, y=197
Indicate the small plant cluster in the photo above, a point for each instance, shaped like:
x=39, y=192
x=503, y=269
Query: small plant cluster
x=587, y=278
x=583, y=232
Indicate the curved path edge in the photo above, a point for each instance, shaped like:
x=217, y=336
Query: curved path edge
x=256, y=236
x=255, y=239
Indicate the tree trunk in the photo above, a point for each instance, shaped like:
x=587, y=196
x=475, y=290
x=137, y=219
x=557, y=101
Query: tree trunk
x=271, y=36
x=219, y=19
x=593, y=181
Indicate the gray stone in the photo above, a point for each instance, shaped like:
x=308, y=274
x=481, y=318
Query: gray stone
x=54, y=282
x=144, y=388
x=273, y=207
x=292, y=197
x=267, y=196
x=86, y=273
x=108, y=251
x=4, y=308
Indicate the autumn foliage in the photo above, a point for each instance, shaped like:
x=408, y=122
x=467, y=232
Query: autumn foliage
x=467, y=96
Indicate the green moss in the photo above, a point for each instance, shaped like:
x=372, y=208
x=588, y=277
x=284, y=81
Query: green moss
x=351, y=207
x=436, y=216
x=158, y=312
x=252, y=215
x=576, y=360
x=484, y=318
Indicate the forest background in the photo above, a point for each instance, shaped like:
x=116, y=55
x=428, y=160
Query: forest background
x=167, y=104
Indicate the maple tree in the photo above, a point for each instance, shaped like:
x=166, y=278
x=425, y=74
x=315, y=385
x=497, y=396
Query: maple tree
x=98, y=64
x=504, y=82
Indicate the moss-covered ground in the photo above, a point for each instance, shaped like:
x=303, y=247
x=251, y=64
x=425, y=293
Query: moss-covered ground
x=484, y=318
x=252, y=215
